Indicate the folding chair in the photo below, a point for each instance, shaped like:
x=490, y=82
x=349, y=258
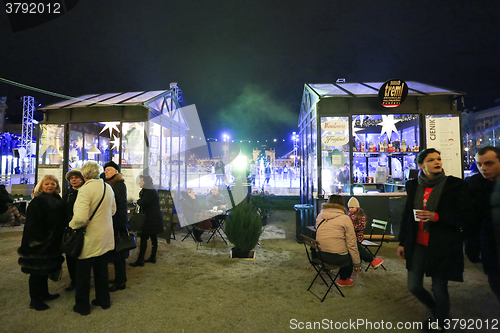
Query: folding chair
x=372, y=242
x=218, y=230
x=189, y=228
x=319, y=266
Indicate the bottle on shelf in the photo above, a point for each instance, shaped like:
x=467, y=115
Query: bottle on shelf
x=403, y=145
x=391, y=148
x=385, y=145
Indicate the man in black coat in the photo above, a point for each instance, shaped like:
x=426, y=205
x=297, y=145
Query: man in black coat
x=120, y=221
x=481, y=187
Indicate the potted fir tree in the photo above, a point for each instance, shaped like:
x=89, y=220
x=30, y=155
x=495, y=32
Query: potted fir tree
x=263, y=203
x=243, y=228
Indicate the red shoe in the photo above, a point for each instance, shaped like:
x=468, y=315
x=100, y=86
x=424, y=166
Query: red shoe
x=348, y=282
x=376, y=262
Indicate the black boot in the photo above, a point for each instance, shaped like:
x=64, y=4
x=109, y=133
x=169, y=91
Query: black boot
x=151, y=259
x=117, y=286
x=138, y=262
x=154, y=247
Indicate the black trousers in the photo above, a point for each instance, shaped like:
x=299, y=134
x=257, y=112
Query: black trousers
x=144, y=245
x=343, y=260
x=120, y=266
x=39, y=287
x=71, y=263
x=83, y=269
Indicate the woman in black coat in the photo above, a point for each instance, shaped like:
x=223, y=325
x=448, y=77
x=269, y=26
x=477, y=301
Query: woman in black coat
x=40, y=253
x=190, y=207
x=431, y=238
x=153, y=221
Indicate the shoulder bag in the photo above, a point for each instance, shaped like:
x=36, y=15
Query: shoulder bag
x=125, y=242
x=137, y=220
x=73, y=239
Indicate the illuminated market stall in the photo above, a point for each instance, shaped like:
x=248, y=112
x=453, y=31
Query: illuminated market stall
x=362, y=139
x=144, y=132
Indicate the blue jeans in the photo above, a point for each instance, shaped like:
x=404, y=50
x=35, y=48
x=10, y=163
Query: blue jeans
x=440, y=303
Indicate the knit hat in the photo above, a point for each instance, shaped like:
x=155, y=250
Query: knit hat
x=353, y=202
x=74, y=172
x=113, y=165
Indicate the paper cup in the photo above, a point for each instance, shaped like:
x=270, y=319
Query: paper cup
x=415, y=214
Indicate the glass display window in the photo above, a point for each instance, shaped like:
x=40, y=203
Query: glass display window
x=335, y=173
x=384, y=146
x=51, y=144
x=133, y=144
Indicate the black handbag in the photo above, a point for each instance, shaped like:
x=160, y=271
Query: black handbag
x=137, y=221
x=72, y=242
x=73, y=239
x=125, y=242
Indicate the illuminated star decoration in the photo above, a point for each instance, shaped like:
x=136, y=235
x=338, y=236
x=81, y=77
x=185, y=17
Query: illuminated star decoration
x=388, y=126
x=115, y=142
x=111, y=126
x=354, y=130
x=79, y=142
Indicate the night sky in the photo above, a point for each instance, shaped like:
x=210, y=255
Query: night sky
x=244, y=63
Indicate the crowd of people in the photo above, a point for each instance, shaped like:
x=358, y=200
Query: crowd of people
x=97, y=202
x=441, y=214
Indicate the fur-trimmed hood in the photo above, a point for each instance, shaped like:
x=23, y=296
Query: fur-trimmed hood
x=115, y=179
x=327, y=205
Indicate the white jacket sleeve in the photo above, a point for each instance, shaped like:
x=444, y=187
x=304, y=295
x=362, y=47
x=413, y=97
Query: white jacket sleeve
x=81, y=209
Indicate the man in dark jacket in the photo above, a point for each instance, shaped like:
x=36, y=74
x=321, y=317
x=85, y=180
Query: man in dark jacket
x=120, y=221
x=216, y=199
x=481, y=188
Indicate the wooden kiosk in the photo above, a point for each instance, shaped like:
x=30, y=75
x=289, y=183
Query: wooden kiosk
x=362, y=139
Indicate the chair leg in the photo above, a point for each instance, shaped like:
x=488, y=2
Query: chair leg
x=329, y=285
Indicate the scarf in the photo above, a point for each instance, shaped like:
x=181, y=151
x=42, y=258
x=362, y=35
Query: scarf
x=436, y=183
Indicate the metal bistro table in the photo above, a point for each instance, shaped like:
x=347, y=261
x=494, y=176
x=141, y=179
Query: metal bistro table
x=220, y=219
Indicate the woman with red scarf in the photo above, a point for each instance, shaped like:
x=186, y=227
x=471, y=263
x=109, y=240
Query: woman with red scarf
x=436, y=210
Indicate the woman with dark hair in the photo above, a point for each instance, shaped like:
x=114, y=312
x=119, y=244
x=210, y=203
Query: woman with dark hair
x=76, y=180
x=40, y=253
x=336, y=236
x=153, y=222
x=436, y=210
x=190, y=207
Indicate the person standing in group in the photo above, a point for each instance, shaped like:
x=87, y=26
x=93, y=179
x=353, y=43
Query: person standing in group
x=95, y=201
x=40, y=253
x=336, y=236
x=120, y=221
x=153, y=221
x=358, y=218
x=437, y=208
x=481, y=235
x=75, y=179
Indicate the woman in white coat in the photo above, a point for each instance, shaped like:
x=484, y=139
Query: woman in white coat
x=99, y=238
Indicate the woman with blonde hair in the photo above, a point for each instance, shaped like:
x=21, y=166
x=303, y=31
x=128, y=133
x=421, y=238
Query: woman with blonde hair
x=40, y=253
